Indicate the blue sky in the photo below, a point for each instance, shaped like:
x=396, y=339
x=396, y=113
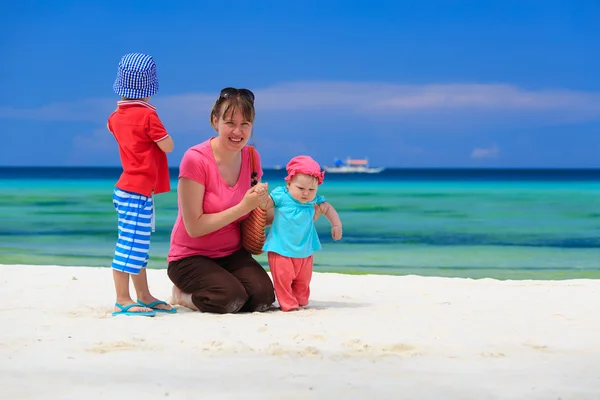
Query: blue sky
x=406, y=84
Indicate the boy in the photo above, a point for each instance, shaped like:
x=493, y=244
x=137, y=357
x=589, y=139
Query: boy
x=143, y=143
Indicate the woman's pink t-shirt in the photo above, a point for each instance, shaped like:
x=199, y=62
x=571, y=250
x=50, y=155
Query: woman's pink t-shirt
x=199, y=164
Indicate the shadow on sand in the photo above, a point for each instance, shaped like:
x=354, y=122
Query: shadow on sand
x=323, y=305
x=314, y=305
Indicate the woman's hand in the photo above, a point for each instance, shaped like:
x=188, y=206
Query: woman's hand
x=261, y=188
x=254, y=197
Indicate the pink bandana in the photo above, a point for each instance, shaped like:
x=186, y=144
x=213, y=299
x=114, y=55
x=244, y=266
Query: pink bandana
x=304, y=165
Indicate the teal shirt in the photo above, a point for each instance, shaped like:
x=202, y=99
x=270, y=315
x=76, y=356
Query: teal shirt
x=293, y=232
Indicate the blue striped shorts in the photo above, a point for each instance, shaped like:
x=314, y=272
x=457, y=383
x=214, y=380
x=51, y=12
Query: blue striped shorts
x=136, y=223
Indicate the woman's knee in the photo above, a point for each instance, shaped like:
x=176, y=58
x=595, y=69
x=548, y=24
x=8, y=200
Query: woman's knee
x=261, y=301
x=234, y=299
x=261, y=294
x=254, y=278
x=226, y=298
x=238, y=297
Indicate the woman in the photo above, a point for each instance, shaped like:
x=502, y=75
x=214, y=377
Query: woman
x=210, y=270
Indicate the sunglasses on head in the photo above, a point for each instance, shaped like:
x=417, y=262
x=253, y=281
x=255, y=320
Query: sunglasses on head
x=230, y=92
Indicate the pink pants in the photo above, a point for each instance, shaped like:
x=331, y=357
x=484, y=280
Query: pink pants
x=291, y=278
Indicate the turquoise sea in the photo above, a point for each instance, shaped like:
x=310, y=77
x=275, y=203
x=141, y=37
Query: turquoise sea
x=506, y=224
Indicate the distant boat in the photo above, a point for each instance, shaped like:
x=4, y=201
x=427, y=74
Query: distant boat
x=353, y=166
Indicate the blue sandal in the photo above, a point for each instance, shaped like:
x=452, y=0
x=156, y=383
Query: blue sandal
x=125, y=311
x=153, y=305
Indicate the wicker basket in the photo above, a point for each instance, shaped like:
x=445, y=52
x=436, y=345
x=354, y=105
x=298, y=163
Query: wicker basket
x=253, y=227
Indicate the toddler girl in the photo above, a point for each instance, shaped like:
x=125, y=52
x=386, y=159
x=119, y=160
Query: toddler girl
x=293, y=237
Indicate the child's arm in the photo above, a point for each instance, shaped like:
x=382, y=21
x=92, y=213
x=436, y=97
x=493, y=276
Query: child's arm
x=267, y=204
x=334, y=219
x=166, y=144
x=157, y=132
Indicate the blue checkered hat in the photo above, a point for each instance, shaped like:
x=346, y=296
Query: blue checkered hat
x=136, y=76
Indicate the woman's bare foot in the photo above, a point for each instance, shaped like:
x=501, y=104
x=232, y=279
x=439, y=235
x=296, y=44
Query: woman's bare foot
x=182, y=299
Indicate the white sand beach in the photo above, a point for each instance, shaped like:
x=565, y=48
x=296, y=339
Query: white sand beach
x=362, y=337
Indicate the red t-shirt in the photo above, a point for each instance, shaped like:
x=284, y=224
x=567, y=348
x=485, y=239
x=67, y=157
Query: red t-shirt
x=137, y=128
x=199, y=164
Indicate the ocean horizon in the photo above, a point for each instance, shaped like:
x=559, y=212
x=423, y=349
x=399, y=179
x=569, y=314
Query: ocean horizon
x=401, y=173
x=519, y=223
